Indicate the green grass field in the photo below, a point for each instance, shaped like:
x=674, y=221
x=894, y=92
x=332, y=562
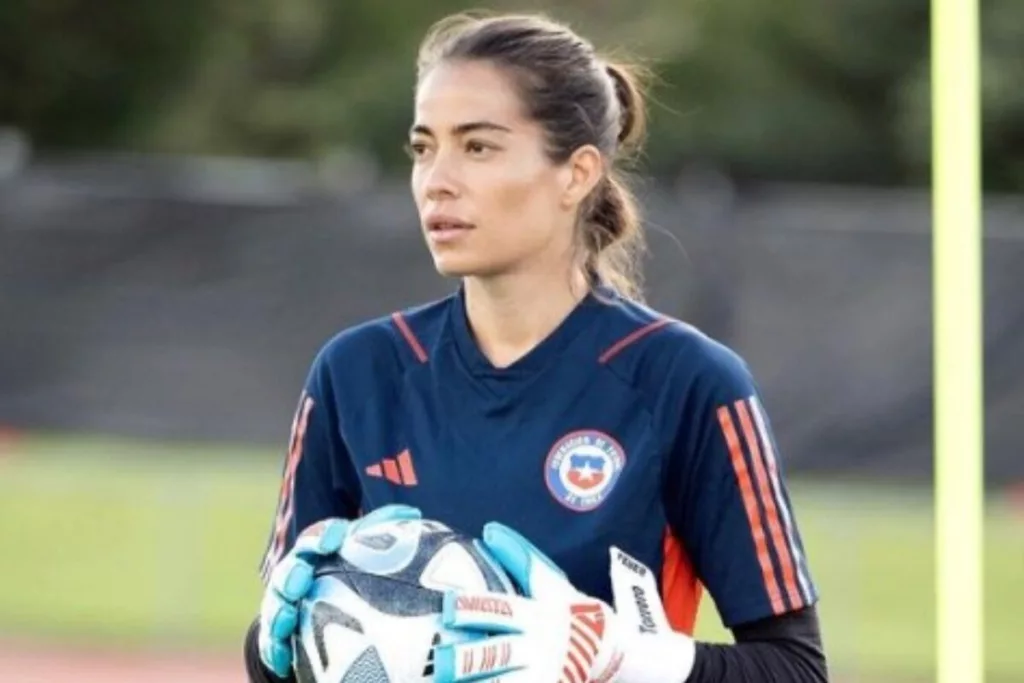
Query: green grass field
x=131, y=544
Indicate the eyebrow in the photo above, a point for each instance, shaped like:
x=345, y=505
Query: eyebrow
x=463, y=128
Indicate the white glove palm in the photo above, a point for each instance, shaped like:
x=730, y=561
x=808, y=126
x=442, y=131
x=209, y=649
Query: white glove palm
x=555, y=634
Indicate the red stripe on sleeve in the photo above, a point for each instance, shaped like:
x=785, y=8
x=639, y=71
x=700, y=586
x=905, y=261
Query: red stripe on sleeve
x=739, y=466
x=768, y=501
x=286, y=505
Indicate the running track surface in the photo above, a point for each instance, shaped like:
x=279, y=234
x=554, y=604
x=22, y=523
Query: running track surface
x=34, y=663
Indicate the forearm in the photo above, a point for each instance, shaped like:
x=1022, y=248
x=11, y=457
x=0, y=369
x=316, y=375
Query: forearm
x=256, y=672
x=785, y=649
x=757, y=663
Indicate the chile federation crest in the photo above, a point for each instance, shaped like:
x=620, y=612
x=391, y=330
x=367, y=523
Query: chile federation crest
x=582, y=468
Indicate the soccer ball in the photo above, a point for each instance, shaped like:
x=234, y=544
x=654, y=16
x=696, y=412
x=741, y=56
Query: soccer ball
x=374, y=612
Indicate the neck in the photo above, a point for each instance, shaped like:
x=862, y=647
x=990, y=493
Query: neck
x=511, y=314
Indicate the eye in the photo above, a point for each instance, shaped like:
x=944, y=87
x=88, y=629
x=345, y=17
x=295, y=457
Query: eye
x=416, y=149
x=477, y=148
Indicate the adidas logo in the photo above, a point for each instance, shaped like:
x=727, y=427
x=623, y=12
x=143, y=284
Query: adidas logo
x=397, y=470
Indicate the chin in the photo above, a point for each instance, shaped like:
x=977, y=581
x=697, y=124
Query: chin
x=450, y=265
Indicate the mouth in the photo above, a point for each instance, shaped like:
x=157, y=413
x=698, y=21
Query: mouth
x=441, y=225
x=443, y=229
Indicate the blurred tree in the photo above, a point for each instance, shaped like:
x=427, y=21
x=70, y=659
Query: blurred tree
x=78, y=74
x=302, y=77
x=306, y=77
x=836, y=91
x=1002, y=71
x=795, y=89
x=1003, y=87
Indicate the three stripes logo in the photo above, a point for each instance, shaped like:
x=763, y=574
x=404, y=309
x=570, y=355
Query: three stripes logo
x=751, y=449
x=397, y=470
x=286, y=502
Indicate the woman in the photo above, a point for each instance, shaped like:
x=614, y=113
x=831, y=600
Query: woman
x=542, y=397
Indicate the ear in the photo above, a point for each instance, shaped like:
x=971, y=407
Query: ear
x=584, y=171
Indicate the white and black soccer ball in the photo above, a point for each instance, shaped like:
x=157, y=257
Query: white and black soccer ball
x=373, y=615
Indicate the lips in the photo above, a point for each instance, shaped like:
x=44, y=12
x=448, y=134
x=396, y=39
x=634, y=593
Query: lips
x=445, y=224
x=446, y=230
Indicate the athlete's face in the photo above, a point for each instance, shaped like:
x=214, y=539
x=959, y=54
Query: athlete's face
x=490, y=200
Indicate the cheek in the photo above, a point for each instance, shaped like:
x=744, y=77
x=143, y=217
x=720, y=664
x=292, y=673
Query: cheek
x=416, y=185
x=528, y=199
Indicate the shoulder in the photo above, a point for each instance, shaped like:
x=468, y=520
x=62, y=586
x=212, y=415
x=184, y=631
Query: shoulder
x=669, y=359
x=390, y=344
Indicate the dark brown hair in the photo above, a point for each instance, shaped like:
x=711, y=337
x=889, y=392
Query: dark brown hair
x=580, y=98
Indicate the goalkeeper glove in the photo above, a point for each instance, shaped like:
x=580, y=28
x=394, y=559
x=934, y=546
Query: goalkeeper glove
x=292, y=578
x=555, y=634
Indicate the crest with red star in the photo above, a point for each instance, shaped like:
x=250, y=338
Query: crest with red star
x=582, y=467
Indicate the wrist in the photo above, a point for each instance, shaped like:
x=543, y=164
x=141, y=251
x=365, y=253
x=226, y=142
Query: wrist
x=665, y=657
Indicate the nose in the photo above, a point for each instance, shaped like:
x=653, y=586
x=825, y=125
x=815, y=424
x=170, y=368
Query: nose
x=439, y=179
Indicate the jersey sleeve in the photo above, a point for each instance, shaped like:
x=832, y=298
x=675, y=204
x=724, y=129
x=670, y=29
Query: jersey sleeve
x=727, y=501
x=318, y=478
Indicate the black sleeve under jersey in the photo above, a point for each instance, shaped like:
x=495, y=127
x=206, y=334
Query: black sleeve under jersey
x=779, y=649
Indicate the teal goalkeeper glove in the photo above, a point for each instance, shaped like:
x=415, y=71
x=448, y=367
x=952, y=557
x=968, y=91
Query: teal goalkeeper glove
x=292, y=578
x=555, y=634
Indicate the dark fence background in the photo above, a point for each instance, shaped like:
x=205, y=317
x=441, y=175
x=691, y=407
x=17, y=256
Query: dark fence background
x=185, y=299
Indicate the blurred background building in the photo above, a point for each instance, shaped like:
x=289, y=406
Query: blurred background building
x=194, y=195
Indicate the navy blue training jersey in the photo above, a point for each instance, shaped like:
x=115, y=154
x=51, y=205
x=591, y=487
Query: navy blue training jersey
x=623, y=427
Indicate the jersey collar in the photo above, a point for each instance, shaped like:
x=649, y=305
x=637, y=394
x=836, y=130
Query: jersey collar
x=537, y=358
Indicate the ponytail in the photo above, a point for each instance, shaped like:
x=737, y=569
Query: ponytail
x=613, y=238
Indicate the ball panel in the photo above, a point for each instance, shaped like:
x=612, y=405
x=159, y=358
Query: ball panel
x=391, y=595
x=380, y=601
x=384, y=549
x=450, y=568
x=367, y=669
